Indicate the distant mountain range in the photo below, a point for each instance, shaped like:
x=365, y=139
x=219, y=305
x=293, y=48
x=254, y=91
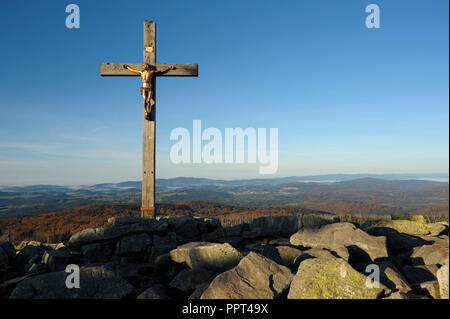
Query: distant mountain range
x=188, y=182
x=395, y=191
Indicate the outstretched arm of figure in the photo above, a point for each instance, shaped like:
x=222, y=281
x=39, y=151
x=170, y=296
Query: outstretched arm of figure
x=132, y=70
x=170, y=67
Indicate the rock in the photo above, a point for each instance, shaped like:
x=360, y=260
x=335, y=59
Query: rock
x=95, y=283
x=268, y=251
x=136, y=274
x=189, y=279
x=9, y=249
x=9, y=284
x=314, y=253
x=430, y=255
x=314, y=220
x=402, y=295
x=155, y=292
x=213, y=222
x=124, y=220
x=26, y=253
x=430, y=288
x=437, y=229
x=396, y=242
x=225, y=234
x=207, y=255
x=161, y=263
x=255, y=277
x=413, y=218
x=97, y=252
x=401, y=260
x=341, y=252
x=199, y=291
x=86, y=236
x=56, y=259
x=162, y=245
x=48, y=246
x=171, y=272
x=280, y=241
x=94, y=235
x=134, y=270
x=246, y=234
x=441, y=241
x=419, y=274
x=205, y=225
x=288, y=255
x=331, y=279
x=340, y=235
x=417, y=218
x=4, y=259
x=408, y=227
x=25, y=243
x=185, y=227
x=34, y=266
x=397, y=295
x=391, y=277
x=169, y=241
x=62, y=247
x=133, y=244
x=442, y=277
x=275, y=226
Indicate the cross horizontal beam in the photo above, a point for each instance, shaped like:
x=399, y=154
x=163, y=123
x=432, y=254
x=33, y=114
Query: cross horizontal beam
x=117, y=69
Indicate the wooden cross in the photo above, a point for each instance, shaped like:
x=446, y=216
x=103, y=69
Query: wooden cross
x=148, y=141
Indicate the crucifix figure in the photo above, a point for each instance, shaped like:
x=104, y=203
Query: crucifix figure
x=146, y=89
x=149, y=70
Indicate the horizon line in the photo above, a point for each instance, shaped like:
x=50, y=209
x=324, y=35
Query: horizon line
x=414, y=176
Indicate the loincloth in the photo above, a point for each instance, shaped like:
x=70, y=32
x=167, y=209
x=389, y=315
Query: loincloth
x=145, y=89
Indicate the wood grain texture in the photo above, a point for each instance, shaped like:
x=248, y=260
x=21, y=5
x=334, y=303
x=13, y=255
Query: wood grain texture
x=117, y=69
x=148, y=131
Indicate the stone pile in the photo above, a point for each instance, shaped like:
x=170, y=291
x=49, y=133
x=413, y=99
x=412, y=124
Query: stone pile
x=295, y=257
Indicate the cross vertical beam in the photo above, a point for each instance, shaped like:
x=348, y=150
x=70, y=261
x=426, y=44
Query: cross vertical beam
x=148, y=129
x=148, y=124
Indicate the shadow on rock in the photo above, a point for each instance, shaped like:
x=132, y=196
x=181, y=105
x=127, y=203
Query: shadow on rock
x=397, y=242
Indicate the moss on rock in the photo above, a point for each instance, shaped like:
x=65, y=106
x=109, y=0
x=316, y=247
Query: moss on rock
x=331, y=279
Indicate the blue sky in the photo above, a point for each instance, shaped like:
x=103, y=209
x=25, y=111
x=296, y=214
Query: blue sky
x=345, y=99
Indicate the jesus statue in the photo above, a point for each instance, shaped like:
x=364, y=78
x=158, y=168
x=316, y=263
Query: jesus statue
x=146, y=89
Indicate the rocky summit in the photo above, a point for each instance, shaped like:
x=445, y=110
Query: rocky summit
x=278, y=257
